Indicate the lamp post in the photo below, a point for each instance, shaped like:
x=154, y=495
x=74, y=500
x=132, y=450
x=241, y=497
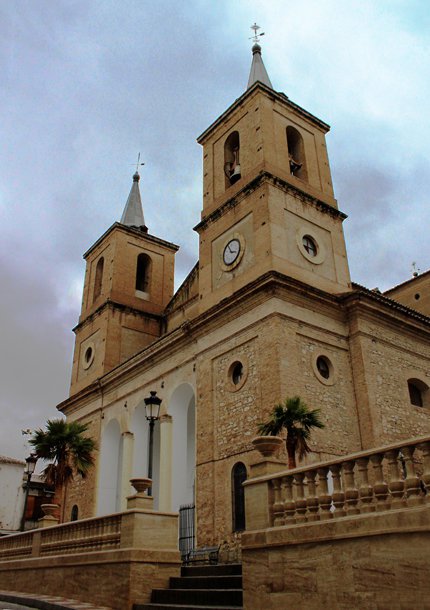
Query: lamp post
x=152, y=406
x=31, y=465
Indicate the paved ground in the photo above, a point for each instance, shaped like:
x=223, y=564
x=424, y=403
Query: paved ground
x=9, y=600
x=9, y=606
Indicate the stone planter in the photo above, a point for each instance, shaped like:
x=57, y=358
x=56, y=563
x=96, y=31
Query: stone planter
x=49, y=510
x=141, y=484
x=268, y=446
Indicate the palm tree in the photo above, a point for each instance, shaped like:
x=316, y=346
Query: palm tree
x=298, y=421
x=67, y=450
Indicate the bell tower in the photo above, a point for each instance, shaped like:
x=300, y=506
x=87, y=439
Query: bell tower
x=129, y=279
x=268, y=201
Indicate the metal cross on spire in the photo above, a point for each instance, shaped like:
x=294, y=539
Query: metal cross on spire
x=256, y=36
x=138, y=163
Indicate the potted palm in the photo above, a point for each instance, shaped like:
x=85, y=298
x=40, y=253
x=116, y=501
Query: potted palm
x=298, y=420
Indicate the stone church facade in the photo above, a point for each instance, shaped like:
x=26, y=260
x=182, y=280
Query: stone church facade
x=268, y=311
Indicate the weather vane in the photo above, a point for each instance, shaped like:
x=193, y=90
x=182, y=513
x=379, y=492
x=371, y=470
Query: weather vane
x=256, y=36
x=415, y=270
x=138, y=163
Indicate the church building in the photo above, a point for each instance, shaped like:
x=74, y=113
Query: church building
x=269, y=311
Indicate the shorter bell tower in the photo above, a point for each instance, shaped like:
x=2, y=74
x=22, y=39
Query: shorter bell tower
x=129, y=280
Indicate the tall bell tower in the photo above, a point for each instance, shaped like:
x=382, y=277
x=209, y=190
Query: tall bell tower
x=129, y=280
x=268, y=202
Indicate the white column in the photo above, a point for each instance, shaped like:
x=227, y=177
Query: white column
x=165, y=494
x=127, y=465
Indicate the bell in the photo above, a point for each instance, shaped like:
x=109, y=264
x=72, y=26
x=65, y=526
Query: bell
x=236, y=175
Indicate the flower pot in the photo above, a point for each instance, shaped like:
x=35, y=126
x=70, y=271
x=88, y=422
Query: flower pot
x=49, y=510
x=140, y=484
x=268, y=446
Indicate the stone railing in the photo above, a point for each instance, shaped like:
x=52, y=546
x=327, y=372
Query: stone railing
x=386, y=478
x=133, y=529
x=87, y=535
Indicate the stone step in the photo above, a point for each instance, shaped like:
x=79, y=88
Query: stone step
x=221, y=569
x=182, y=607
x=47, y=602
x=206, y=582
x=198, y=597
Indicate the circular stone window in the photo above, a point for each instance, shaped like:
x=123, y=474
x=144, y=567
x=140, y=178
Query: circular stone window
x=237, y=374
x=310, y=247
x=323, y=369
x=88, y=356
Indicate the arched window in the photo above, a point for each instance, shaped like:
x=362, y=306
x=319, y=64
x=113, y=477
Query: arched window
x=99, y=278
x=143, y=273
x=296, y=154
x=231, y=159
x=75, y=512
x=418, y=393
x=238, y=476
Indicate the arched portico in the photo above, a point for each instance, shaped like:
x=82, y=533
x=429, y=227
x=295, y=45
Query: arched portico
x=181, y=408
x=108, y=499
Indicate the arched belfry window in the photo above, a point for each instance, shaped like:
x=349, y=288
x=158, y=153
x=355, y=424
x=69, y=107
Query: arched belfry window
x=99, y=278
x=75, y=513
x=238, y=476
x=296, y=154
x=143, y=273
x=231, y=159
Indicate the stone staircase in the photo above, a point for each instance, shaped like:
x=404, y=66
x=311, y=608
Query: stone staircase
x=204, y=587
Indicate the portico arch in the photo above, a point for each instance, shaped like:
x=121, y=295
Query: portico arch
x=109, y=500
x=140, y=429
x=182, y=406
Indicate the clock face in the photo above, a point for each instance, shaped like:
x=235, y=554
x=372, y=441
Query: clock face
x=231, y=251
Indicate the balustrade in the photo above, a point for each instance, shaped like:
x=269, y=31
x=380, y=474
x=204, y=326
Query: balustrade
x=388, y=478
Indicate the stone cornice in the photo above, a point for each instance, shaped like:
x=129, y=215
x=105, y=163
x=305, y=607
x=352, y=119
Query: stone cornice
x=261, y=178
x=274, y=95
x=108, y=304
x=132, y=231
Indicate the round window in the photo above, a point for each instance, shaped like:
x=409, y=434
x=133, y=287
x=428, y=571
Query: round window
x=88, y=356
x=237, y=374
x=323, y=367
x=309, y=244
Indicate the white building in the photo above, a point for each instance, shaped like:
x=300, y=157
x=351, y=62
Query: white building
x=11, y=494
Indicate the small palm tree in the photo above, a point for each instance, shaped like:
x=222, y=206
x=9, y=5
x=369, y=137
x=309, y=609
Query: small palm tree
x=298, y=421
x=67, y=450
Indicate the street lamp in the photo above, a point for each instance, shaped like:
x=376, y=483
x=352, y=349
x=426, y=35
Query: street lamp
x=152, y=406
x=31, y=465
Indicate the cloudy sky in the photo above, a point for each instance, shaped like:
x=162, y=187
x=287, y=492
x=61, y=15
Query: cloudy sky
x=87, y=84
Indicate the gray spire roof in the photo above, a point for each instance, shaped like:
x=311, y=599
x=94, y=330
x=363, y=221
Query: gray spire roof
x=258, y=71
x=133, y=212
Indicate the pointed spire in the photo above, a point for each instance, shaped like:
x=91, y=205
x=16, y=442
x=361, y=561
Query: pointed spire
x=133, y=211
x=258, y=71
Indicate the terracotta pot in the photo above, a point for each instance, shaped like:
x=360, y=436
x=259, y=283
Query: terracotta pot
x=268, y=446
x=140, y=484
x=49, y=510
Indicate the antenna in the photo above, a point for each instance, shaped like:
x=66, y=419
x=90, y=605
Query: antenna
x=256, y=36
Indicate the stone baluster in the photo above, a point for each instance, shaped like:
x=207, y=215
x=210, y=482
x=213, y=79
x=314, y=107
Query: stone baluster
x=396, y=484
x=289, y=504
x=412, y=482
x=312, y=502
x=324, y=498
x=366, y=490
x=338, y=496
x=300, y=497
x=380, y=487
x=425, y=448
x=351, y=491
x=278, y=505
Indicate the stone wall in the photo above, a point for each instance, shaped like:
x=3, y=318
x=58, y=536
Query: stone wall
x=365, y=563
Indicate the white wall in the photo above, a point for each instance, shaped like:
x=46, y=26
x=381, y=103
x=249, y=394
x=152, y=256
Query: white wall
x=11, y=493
